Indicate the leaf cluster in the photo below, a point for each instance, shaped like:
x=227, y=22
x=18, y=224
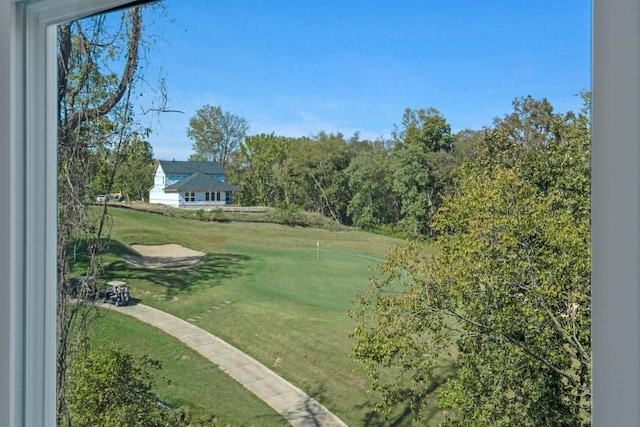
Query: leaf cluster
x=109, y=387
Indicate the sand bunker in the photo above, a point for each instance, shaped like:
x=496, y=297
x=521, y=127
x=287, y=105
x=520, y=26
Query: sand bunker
x=164, y=257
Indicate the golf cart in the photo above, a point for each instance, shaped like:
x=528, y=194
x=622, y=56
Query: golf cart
x=83, y=287
x=116, y=293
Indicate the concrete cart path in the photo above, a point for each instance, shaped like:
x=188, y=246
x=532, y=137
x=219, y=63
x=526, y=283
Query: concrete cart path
x=289, y=401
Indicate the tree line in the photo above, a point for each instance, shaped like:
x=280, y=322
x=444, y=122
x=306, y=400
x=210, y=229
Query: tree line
x=394, y=186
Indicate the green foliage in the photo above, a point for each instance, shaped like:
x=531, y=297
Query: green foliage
x=425, y=128
x=317, y=174
x=355, y=182
x=399, y=343
x=108, y=387
x=134, y=175
x=125, y=168
x=563, y=165
x=263, y=158
x=514, y=274
x=507, y=295
x=216, y=134
x=420, y=170
x=288, y=215
x=530, y=124
x=370, y=179
x=465, y=144
x=559, y=165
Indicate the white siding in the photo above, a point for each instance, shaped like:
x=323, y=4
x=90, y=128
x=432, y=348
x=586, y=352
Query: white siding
x=159, y=196
x=159, y=180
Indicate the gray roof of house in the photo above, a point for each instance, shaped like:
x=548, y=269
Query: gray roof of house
x=201, y=182
x=187, y=168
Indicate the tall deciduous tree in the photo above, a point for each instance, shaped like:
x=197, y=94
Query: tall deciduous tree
x=135, y=175
x=317, y=174
x=216, y=134
x=531, y=124
x=370, y=177
x=261, y=156
x=465, y=144
x=128, y=170
x=424, y=134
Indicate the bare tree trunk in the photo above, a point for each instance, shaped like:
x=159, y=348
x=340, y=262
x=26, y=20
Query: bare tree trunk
x=326, y=199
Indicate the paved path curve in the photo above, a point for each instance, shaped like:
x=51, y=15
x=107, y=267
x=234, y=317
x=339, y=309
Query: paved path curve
x=289, y=401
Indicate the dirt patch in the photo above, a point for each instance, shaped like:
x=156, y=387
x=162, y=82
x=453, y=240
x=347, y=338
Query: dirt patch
x=164, y=257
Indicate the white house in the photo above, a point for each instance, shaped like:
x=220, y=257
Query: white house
x=182, y=184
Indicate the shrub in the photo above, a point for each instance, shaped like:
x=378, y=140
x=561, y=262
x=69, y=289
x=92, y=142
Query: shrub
x=110, y=388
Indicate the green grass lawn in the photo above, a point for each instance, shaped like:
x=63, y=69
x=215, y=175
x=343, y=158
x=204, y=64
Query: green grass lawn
x=265, y=289
x=186, y=378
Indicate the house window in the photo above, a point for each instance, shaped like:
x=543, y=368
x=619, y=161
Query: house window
x=218, y=196
x=206, y=196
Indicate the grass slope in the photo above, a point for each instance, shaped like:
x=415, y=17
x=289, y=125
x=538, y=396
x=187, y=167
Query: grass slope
x=187, y=379
x=267, y=290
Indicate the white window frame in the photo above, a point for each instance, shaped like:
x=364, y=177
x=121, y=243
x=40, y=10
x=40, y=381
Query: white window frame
x=615, y=220
x=28, y=211
x=28, y=208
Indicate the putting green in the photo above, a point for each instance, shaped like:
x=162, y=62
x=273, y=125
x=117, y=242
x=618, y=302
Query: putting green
x=330, y=279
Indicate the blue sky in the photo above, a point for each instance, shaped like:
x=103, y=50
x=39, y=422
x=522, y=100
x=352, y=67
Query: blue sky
x=296, y=68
